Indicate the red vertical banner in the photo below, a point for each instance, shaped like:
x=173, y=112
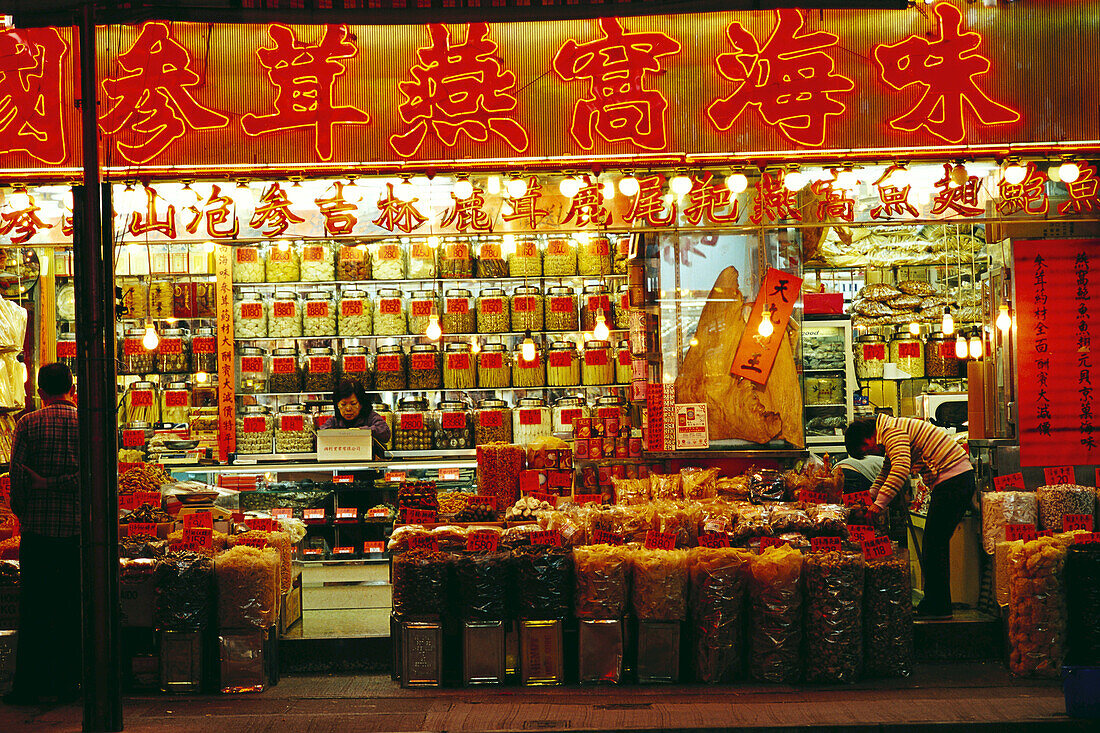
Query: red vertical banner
x=227, y=407
x=1055, y=319
x=756, y=351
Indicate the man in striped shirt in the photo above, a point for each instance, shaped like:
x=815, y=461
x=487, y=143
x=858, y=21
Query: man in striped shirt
x=916, y=446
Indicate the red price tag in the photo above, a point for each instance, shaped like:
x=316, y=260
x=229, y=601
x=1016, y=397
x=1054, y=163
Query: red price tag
x=535, y=363
x=422, y=362
x=595, y=357
x=714, y=540
x=1090, y=538
x=1025, y=532
x=1072, y=522
x=524, y=303
x=389, y=252
x=660, y=540
x=388, y=363
x=540, y=496
x=857, y=497
x=492, y=360
x=624, y=357
x=421, y=251
x=458, y=362
x=313, y=552
x=141, y=398
x=946, y=350
x=825, y=544
x=198, y=537
x=282, y=512
x=549, y=537
x=599, y=247
x=198, y=519
x=389, y=306
x=313, y=253
x=141, y=528
x=204, y=345
x=588, y=499
x=351, y=308
x=599, y=303
x=624, y=301
x=262, y=524
x=345, y=514
x=420, y=516
x=490, y=252
x=812, y=497
x=568, y=415
x=457, y=252
x=343, y=550
x=252, y=311
x=171, y=346
x=130, y=347
x=283, y=309
x=1010, y=481
x=860, y=532
x=377, y=546
x=291, y=423
x=874, y=352
x=251, y=540
x=252, y=364
x=490, y=418
x=1059, y=475
x=152, y=498
x=449, y=474
x=557, y=247
x=453, y=420
x=126, y=502
x=247, y=254
x=766, y=542
x=422, y=308
x=176, y=398
x=457, y=305
x=355, y=364
x=66, y=349
x=424, y=542
x=603, y=537
x=491, y=305
x=254, y=424
x=411, y=420
x=395, y=476
x=527, y=249
x=530, y=417
x=561, y=304
x=877, y=548
x=482, y=542
x=133, y=438
x=560, y=359
x=343, y=479
x=316, y=309
x=320, y=364
x=280, y=255
x=283, y=364
x=908, y=351
x=313, y=515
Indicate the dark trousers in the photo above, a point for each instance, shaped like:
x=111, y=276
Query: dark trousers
x=950, y=501
x=47, y=660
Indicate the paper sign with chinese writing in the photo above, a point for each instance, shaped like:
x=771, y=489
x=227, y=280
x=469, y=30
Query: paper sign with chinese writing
x=1012, y=481
x=755, y=352
x=691, y=427
x=198, y=519
x=877, y=548
x=1059, y=475
x=227, y=400
x=714, y=539
x=1025, y=532
x=825, y=544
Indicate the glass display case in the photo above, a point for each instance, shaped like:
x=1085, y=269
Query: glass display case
x=828, y=378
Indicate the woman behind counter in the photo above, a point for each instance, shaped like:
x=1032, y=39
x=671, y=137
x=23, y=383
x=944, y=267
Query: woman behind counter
x=353, y=410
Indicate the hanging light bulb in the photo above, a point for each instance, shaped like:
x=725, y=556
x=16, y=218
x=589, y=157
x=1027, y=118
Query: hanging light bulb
x=202, y=377
x=601, y=332
x=433, y=241
x=19, y=199
x=960, y=347
x=608, y=190
x=947, y=325
x=1015, y=172
x=67, y=199
x=680, y=185
x=900, y=177
x=766, y=328
x=404, y=191
x=130, y=199
x=492, y=185
x=242, y=194
x=959, y=174
x=1004, y=320
x=1052, y=174
x=847, y=179
x=150, y=339
x=517, y=187
x=1069, y=171
x=352, y=192
x=208, y=247
x=475, y=345
x=794, y=179
x=527, y=348
x=463, y=189
x=628, y=185
x=975, y=347
x=283, y=245
x=569, y=187
x=26, y=376
x=737, y=182
x=433, y=331
x=694, y=341
x=914, y=328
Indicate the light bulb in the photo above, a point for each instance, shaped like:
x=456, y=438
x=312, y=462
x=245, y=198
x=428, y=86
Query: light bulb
x=1069, y=171
x=433, y=241
x=629, y=186
x=608, y=190
x=569, y=187
x=680, y=185
x=1053, y=175
x=914, y=328
x=433, y=331
x=352, y=192
x=404, y=191
x=765, y=328
x=694, y=341
x=601, y=332
x=794, y=180
x=517, y=187
x=959, y=174
x=242, y=195
x=737, y=182
x=202, y=377
x=975, y=347
x=150, y=339
x=947, y=325
x=847, y=179
x=1015, y=173
x=475, y=345
x=23, y=364
x=208, y=247
x=492, y=185
x=284, y=245
x=1004, y=320
x=960, y=347
x=527, y=348
x=463, y=189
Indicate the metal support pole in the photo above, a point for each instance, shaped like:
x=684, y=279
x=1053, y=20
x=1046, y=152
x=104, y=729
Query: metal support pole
x=93, y=264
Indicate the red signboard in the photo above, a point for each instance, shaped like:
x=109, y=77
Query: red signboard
x=756, y=351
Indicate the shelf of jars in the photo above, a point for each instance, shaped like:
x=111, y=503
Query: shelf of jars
x=446, y=337
x=441, y=281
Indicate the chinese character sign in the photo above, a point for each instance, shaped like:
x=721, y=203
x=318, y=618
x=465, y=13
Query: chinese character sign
x=31, y=72
x=775, y=301
x=1055, y=323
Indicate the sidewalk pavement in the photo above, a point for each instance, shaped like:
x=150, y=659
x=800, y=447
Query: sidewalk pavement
x=963, y=697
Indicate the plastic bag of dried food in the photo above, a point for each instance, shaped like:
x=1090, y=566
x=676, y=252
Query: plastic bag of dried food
x=672, y=517
x=419, y=580
x=734, y=487
x=543, y=581
x=828, y=520
x=498, y=469
x=916, y=287
x=905, y=302
x=888, y=617
x=879, y=291
x=873, y=309
x=752, y=521
x=569, y=527
x=767, y=485
x=834, y=622
x=141, y=546
x=450, y=537
x=481, y=585
x=719, y=578
x=1037, y=608
x=278, y=541
x=632, y=523
x=789, y=518
x=775, y=615
x=712, y=516
x=666, y=487
x=699, y=484
x=1061, y=499
x=659, y=583
x=1006, y=507
x=185, y=591
x=219, y=541
x=399, y=538
x=248, y=582
x=520, y=536
x=1083, y=604
x=601, y=581
x=1002, y=569
x=632, y=490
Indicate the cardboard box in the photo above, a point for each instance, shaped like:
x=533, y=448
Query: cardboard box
x=290, y=604
x=541, y=652
x=181, y=661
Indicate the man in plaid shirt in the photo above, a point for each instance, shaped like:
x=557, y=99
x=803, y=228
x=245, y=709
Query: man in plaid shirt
x=45, y=496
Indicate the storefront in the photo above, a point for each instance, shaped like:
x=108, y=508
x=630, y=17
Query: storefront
x=627, y=246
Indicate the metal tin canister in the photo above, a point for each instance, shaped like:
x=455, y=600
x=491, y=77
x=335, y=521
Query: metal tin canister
x=180, y=661
x=483, y=653
x=241, y=657
x=600, y=650
x=658, y=651
x=540, y=651
x=421, y=654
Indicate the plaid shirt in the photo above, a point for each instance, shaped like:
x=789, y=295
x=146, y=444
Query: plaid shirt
x=45, y=441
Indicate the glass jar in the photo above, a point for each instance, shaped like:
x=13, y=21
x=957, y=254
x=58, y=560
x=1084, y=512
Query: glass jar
x=424, y=367
x=251, y=370
x=624, y=373
x=594, y=257
x=560, y=259
x=493, y=370
x=871, y=356
x=387, y=262
x=135, y=299
x=423, y=304
x=597, y=300
x=174, y=351
x=175, y=403
x=563, y=365
x=320, y=372
x=318, y=263
x=414, y=425
x=204, y=350
x=454, y=428
x=492, y=311
x=353, y=263
x=599, y=368
x=255, y=430
x=136, y=359
x=492, y=422
x=285, y=375
x=526, y=309
x=294, y=430
x=490, y=261
x=135, y=435
x=608, y=407
x=459, y=312
x=458, y=367
x=526, y=260
x=907, y=352
x=455, y=260
x=939, y=357
x=561, y=309
x=66, y=350
x=621, y=308
x=565, y=411
x=248, y=265
x=528, y=373
x=386, y=414
x=421, y=261
x=285, y=317
x=319, y=318
x=283, y=263
x=390, y=368
x=620, y=255
x=141, y=402
x=250, y=317
x=530, y=420
x=389, y=313
x=356, y=314
x=355, y=364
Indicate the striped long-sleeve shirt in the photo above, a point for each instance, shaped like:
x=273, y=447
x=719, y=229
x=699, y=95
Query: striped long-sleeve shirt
x=910, y=446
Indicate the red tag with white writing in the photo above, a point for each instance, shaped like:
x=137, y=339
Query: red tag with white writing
x=1072, y=522
x=482, y=541
x=560, y=358
x=588, y=499
x=198, y=537
x=283, y=309
x=1059, y=475
x=421, y=251
x=491, y=305
x=313, y=515
x=283, y=364
x=458, y=362
x=452, y=420
x=1025, y=532
x=313, y=253
x=422, y=308
x=130, y=347
x=351, y=308
x=660, y=540
x=343, y=551
x=176, y=398
x=388, y=363
x=170, y=346
x=557, y=247
x=251, y=540
x=277, y=254
x=450, y=474
x=133, y=438
x=603, y=537
x=860, y=532
x=246, y=255
x=595, y=357
x=490, y=251
x=858, y=497
x=878, y=548
x=420, y=516
x=624, y=357
x=457, y=305
x=320, y=364
x=424, y=542
x=253, y=424
x=374, y=547
x=395, y=476
x=316, y=309
x=141, y=528
x=422, y=362
x=561, y=304
x=252, y=364
x=411, y=420
x=714, y=540
x=252, y=311
x=355, y=364
x=1009, y=481
x=283, y=512
x=530, y=417
x=599, y=303
x=346, y=514
x=262, y=524
x=389, y=252
x=66, y=349
x=198, y=519
x=1089, y=538
x=524, y=303
x=141, y=398
x=492, y=360
x=291, y=423
x=599, y=247
x=825, y=544
x=908, y=351
x=812, y=497
x=389, y=306
x=549, y=537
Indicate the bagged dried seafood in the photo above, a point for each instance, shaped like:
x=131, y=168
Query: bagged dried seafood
x=888, y=616
x=248, y=587
x=834, y=622
x=665, y=487
x=1037, y=607
x=879, y=291
x=659, y=583
x=699, y=484
x=498, y=469
x=481, y=585
x=419, y=580
x=631, y=490
x=719, y=579
x=1006, y=507
x=775, y=615
x=544, y=582
x=1061, y=499
x=185, y=592
x=601, y=581
x=916, y=287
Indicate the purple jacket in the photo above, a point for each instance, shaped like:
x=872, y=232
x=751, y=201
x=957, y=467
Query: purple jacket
x=378, y=425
